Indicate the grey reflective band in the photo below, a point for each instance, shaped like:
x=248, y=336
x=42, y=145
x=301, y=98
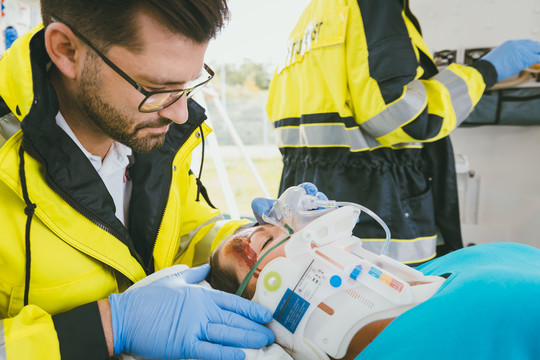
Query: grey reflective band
x=459, y=94
x=405, y=251
x=185, y=240
x=2, y=342
x=329, y=135
x=325, y=135
x=395, y=116
x=9, y=125
x=398, y=113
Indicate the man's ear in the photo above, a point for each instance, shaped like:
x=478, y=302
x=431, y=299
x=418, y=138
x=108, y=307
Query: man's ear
x=65, y=49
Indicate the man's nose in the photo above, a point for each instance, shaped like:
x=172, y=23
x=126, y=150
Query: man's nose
x=177, y=112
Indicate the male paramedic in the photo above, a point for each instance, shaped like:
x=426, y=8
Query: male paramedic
x=361, y=111
x=97, y=130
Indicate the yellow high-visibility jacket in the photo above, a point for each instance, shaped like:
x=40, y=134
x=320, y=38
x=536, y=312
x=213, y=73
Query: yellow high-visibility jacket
x=361, y=111
x=61, y=245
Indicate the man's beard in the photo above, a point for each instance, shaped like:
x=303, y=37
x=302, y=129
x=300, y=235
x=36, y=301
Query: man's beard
x=113, y=121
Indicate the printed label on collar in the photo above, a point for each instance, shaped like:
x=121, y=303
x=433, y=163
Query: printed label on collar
x=291, y=310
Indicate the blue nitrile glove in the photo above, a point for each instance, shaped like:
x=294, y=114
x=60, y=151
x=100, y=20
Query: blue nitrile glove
x=311, y=189
x=513, y=56
x=172, y=319
x=261, y=206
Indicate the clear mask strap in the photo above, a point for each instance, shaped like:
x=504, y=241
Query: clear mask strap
x=270, y=220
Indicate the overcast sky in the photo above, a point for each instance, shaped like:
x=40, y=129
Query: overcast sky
x=258, y=30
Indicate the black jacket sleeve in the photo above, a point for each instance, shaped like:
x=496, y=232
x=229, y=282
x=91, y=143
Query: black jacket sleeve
x=80, y=333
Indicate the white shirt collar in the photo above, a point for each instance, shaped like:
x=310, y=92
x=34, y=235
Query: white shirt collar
x=117, y=156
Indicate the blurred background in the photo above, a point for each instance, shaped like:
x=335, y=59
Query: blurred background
x=244, y=57
x=496, y=149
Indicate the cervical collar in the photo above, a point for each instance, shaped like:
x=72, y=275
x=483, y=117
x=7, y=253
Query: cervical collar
x=328, y=287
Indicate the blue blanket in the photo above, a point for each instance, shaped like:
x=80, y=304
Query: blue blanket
x=489, y=308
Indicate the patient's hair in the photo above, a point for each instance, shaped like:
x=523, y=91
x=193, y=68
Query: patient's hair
x=221, y=276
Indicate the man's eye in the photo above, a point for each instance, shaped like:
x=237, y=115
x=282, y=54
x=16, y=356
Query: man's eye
x=267, y=241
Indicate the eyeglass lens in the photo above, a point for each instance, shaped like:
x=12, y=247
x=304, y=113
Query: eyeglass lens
x=160, y=101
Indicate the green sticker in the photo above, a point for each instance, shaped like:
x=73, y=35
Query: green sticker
x=272, y=281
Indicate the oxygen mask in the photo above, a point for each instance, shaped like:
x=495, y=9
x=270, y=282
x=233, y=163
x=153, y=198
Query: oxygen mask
x=295, y=209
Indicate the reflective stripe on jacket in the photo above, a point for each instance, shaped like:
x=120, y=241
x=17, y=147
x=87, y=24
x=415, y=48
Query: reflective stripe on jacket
x=79, y=251
x=360, y=110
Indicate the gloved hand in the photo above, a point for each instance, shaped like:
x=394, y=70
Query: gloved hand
x=513, y=56
x=173, y=319
x=261, y=206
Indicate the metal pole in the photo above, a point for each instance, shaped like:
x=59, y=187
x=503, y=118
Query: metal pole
x=237, y=140
x=213, y=149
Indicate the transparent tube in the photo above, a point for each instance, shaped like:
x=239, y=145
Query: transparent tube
x=295, y=208
x=310, y=203
x=377, y=218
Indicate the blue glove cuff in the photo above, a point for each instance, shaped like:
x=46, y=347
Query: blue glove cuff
x=118, y=341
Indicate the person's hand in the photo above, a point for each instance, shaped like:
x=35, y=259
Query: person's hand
x=261, y=206
x=513, y=56
x=173, y=319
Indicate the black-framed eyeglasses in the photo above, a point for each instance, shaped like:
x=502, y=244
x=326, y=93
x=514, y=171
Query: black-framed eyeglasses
x=153, y=100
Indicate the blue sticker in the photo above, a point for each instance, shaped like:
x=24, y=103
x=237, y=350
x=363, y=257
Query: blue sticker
x=376, y=273
x=291, y=310
x=335, y=281
x=356, y=271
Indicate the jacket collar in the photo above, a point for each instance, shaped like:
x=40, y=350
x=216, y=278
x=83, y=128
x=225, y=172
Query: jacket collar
x=19, y=66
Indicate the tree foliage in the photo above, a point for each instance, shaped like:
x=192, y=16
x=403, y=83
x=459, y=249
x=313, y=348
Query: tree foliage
x=248, y=73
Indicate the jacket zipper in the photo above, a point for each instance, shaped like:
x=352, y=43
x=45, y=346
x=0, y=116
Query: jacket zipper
x=157, y=225
x=81, y=210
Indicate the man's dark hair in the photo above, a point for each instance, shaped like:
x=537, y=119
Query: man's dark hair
x=112, y=22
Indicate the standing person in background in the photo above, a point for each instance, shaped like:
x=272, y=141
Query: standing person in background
x=96, y=189
x=10, y=33
x=361, y=111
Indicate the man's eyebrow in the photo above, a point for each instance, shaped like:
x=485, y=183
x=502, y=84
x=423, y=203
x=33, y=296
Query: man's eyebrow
x=159, y=82
x=163, y=82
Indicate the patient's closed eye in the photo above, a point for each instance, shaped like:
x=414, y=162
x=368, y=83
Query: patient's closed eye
x=267, y=241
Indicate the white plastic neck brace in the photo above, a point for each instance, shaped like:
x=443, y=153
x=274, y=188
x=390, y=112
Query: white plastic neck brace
x=328, y=287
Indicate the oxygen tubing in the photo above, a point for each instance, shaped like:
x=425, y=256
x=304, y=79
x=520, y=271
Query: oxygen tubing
x=374, y=216
x=524, y=76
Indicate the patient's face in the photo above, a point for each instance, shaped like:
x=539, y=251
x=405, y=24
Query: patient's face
x=245, y=248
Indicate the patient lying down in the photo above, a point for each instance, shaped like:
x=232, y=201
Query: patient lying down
x=333, y=299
